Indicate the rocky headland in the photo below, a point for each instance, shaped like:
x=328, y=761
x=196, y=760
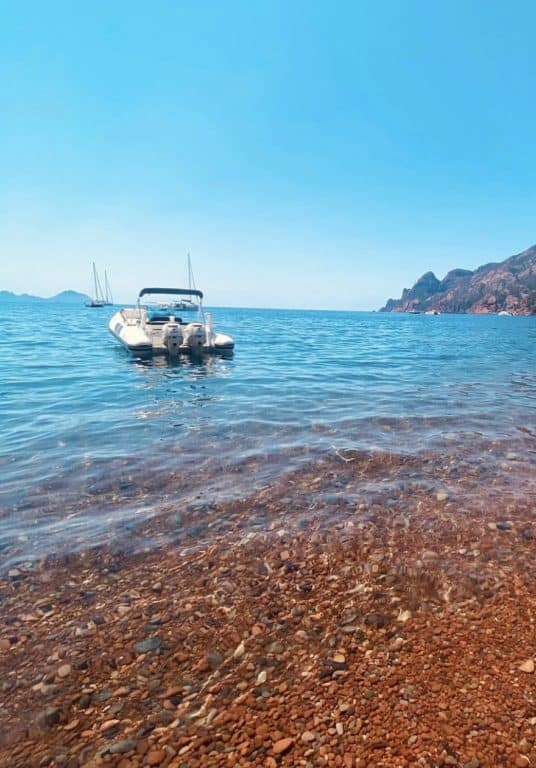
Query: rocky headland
x=509, y=286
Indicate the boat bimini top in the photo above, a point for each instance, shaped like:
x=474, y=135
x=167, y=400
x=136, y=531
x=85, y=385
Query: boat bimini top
x=172, y=292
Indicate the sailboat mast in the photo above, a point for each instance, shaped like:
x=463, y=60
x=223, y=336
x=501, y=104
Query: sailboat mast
x=95, y=293
x=107, y=290
x=191, y=281
x=98, y=288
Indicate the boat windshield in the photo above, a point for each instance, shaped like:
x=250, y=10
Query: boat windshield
x=162, y=303
x=161, y=313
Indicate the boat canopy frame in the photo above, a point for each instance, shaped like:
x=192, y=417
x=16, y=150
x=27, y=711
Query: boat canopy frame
x=171, y=292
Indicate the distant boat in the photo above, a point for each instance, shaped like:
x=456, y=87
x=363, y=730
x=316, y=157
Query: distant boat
x=186, y=304
x=108, y=298
x=98, y=297
x=504, y=313
x=432, y=312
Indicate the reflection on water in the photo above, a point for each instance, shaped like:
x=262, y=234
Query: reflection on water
x=93, y=437
x=203, y=362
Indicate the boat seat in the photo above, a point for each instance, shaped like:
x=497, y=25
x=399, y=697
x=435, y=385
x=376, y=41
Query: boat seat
x=158, y=317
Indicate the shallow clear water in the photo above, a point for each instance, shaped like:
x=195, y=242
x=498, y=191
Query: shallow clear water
x=91, y=437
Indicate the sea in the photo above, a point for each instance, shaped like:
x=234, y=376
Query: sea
x=95, y=442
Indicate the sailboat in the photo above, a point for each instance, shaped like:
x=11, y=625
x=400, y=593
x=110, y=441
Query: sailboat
x=186, y=304
x=108, y=298
x=98, y=300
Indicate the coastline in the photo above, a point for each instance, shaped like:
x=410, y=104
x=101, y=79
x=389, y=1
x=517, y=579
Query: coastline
x=390, y=632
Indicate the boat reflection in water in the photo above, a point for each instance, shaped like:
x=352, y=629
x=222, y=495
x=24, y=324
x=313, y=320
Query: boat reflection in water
x=204, y=363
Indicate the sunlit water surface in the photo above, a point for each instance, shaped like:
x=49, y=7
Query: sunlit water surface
x=92, y=438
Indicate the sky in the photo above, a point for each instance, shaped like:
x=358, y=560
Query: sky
x=306, y=154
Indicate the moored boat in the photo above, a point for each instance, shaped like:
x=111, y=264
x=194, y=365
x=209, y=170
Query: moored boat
x=156, y=328
x=108, y=298
x=187, y=302
x=98, y=299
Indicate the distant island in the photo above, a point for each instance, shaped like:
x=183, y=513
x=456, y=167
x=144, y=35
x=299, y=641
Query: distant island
x=64, y=297
x=509, y=286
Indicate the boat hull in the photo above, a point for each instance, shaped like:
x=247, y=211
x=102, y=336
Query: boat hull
x=140, y=338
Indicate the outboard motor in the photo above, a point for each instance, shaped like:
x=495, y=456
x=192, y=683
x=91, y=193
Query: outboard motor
x=209, y=331
x=194, y=336
x=172, y=337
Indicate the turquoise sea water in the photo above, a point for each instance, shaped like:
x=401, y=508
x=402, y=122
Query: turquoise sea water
x=93, y=439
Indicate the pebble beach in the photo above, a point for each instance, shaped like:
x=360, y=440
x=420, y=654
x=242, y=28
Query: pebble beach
x=397, y=630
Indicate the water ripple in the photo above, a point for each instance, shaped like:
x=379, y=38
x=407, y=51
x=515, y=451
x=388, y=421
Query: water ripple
x=89, y=433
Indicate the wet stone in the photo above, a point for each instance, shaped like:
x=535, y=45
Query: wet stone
x=276, y=648
x=349, y=617
x=214, y=659
x=165, y=717
x=239, y=651
x=282, y=746
x=109, y=725
x=376, y=620
x=148, y=645
x=102, y=696
x=64, y=670
x=15, y=575
x=338, y=662
x=48, y=718
x=155, y=757
x=121, y=747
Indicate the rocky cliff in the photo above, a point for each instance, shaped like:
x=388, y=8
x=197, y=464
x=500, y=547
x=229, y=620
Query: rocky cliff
x=507, y=286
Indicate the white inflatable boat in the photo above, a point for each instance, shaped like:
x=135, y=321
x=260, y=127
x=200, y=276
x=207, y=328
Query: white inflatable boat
x=156, y=328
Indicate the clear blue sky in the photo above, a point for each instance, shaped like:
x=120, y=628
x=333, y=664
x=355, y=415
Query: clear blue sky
x=308, y=154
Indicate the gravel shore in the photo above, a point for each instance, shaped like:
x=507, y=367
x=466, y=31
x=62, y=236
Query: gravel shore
x=399, y=630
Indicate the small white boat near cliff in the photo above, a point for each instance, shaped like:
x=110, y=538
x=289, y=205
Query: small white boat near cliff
x=156, y=328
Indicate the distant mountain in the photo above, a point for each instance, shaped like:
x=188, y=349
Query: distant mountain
x=507, y=286
x=70, y=297
x=64, y=297
x=7, y=296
